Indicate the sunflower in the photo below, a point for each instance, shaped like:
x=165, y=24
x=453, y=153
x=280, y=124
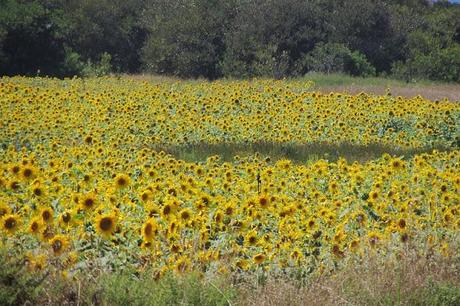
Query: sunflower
x=35, y=226
x=263, y=201
x=402, y=224
x=167, y=211
x=229, y=208
x=88, y=202
x=66, y=219
x=28, y=173
x=105, y=224
x=258, y=258
x=149, y=230
x=354, y=244
x=251, y=238
x=374, y=238
x=38, y=190
x=4, y=209
x=146, y=195
x=183, y=264
x=397, y=164
x=15, y=169
x=59, y=244
x=242, y=264
x=185, y=215
x=10, y=223
x=122, y=181
x=36, y=262
x=46, y=215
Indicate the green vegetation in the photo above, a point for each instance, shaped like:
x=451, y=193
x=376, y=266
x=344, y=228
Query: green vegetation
x=410, y=40
x=299, y=153
x=17, y=285
x=408, y=280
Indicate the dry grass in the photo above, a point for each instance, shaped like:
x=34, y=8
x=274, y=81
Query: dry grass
x=298, y=153
x=432, y=92
x=353, y=85
x=405, y=278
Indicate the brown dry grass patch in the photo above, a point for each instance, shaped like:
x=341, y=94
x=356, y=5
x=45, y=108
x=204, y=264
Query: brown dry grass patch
x=450, y=92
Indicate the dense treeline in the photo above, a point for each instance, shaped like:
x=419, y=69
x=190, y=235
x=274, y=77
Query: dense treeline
x=409, y=39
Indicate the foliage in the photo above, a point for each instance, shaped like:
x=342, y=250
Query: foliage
x=439, y=64
x=123, y=289
x=185, y=37
x=102, y=68
x=235, y=39
x=18, y=285
x=336, y=58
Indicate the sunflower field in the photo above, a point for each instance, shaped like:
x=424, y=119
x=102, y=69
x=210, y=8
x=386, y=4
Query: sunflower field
x=84, y=182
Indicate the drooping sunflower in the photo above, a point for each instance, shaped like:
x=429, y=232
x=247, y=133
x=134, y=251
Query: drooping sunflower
x=258, y=258
x=149, y=230
x=183, y=264
x=105, y=224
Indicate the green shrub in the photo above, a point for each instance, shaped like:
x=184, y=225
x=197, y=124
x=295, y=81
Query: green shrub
x=17, y=285
x=335, y=58
x=127, y=289
x=103, y=67
x=441, y=294
x=439, y=64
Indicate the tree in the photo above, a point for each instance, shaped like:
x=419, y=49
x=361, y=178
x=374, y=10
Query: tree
x=186, y=37
x=268, y=37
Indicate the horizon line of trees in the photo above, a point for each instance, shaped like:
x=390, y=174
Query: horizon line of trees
x=406, y=39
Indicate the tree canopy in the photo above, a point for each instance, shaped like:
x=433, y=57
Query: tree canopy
x=410, y=39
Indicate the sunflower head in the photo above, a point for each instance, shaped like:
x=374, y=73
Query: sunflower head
x=88, y=202
x=4, y=209
x=122, y=181
x=185, y=215
x=28, y=173
x=35, y=226
x=105, y=224
x=59, y=244
x=259, y=258
x=149, y=230
x=46, y=215
x=10, y=223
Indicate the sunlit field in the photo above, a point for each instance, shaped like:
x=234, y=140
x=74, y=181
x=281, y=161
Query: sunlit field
x=246, y=181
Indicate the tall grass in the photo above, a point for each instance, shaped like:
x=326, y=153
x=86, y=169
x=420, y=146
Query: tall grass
x=298, y=153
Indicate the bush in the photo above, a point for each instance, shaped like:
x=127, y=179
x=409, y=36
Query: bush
x=126, y=289
x=335, y=58
x=103, y=67
x=17, y=285
x=74, y=65
x=440, y=64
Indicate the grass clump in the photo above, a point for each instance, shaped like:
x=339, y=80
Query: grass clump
x=299, y=153
x=18, y=286
x=145, y=288
x=125, y=289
